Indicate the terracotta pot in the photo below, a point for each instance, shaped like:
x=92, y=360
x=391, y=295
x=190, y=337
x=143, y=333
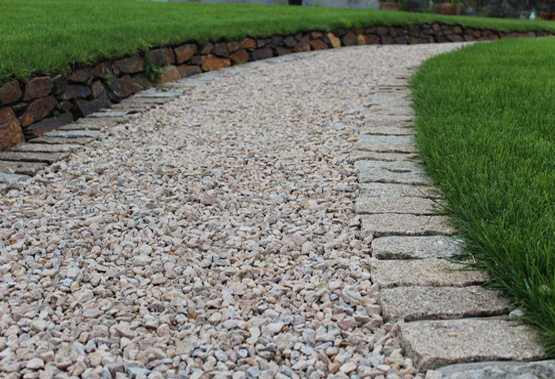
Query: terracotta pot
x=389, y=6
x=450, y=9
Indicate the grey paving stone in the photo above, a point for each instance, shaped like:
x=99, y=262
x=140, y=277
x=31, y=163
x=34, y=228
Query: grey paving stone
x=401, y=172
x=384, y=147
x=415, y=247
x=74, y=133
x=393, y=111
x=441, y=303
x=32, y=157
x=22, y=168
x=365, y=155
x=397, y=190
x=432, y=344
x=46, y=148
x=6, y=178
x=379, y=225
x=371, y=138
x=152, y=93
x=86, y=124
x=430, y=272
x=60, y=140
x=397, y=130
x=500, y=370
x=400, y=205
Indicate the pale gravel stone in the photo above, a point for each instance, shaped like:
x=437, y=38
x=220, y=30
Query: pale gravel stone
x=439, y=343
x=188, y=222
x=431, y=272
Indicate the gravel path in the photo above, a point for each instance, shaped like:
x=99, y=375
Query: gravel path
x=214, y=236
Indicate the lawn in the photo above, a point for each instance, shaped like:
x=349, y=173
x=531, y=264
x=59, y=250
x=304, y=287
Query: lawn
x=485, y=128
x=47, y=35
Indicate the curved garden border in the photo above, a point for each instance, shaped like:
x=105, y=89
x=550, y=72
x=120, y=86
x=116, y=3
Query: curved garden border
x=45, y=103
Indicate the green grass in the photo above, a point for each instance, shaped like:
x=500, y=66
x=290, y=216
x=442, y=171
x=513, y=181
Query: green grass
x=45, y=36
x=486, y=130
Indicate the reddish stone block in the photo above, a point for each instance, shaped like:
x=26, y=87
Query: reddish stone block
x=82, y=75
x=233, y=46
x=316, y=35
x=431, y=39
x=158, y=57
x=130, y=65
x=96, y=89
x=169, y=74
x=37, y=110
x=281, y=50
x=65, y=106
x=261, y=42
x=170, y=56
x=303, y=45
x=10, y=92
x=436, y=27
x=124, y=87
x=103, y=69
x=59, y=85
x=264, y=53
x=382, y=31
x=469, y=38
x=349, y=39
x=457, y=29
x=240, y=56
x=197, y=60
x=187, y=71
x=185, y=52
x=401, y=40
x=318, y=44
x=372, y=39
x=220, y=50
x=84, y=107
x=47, y=125
x=74, y=91
x=211, y=63
x=276, y=41
x=37, y=87
x=414, y=30
x=503, y=35
x=10, y=131
x=207, y=49
x=248, y=43
x=454, y=38
x=393, y=32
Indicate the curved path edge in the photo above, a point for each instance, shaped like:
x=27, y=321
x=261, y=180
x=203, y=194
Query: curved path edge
x=443, y=315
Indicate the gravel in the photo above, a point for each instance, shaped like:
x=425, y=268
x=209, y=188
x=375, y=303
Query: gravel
x=214, y=236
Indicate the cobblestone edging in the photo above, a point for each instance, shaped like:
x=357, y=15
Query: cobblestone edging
x=28, y=110
x=444, y=316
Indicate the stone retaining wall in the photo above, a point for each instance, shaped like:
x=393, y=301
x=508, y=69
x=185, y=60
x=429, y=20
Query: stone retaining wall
x=43, y=104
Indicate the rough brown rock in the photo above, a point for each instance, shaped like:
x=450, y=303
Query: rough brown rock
x=187, y=71
x=185, y=52
x=220, y=50
x=318, y=44
x=130, y=65
x=158, y=57
x=125, y=86
x=262, y=54
x=96, y=89
x=240, y=56
x=169, y=74
x=303, y=45
x=48, y=125
x=10, y=92
x=248, y=43
x=37, y=87
x=10, y=132
x=75, y=91
x=59, y=85
x=281, y=50
x=84, y=107
x=82, y=75
x=233, y=46
x=101, y=70
x=211, y=63
x=38, y=110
